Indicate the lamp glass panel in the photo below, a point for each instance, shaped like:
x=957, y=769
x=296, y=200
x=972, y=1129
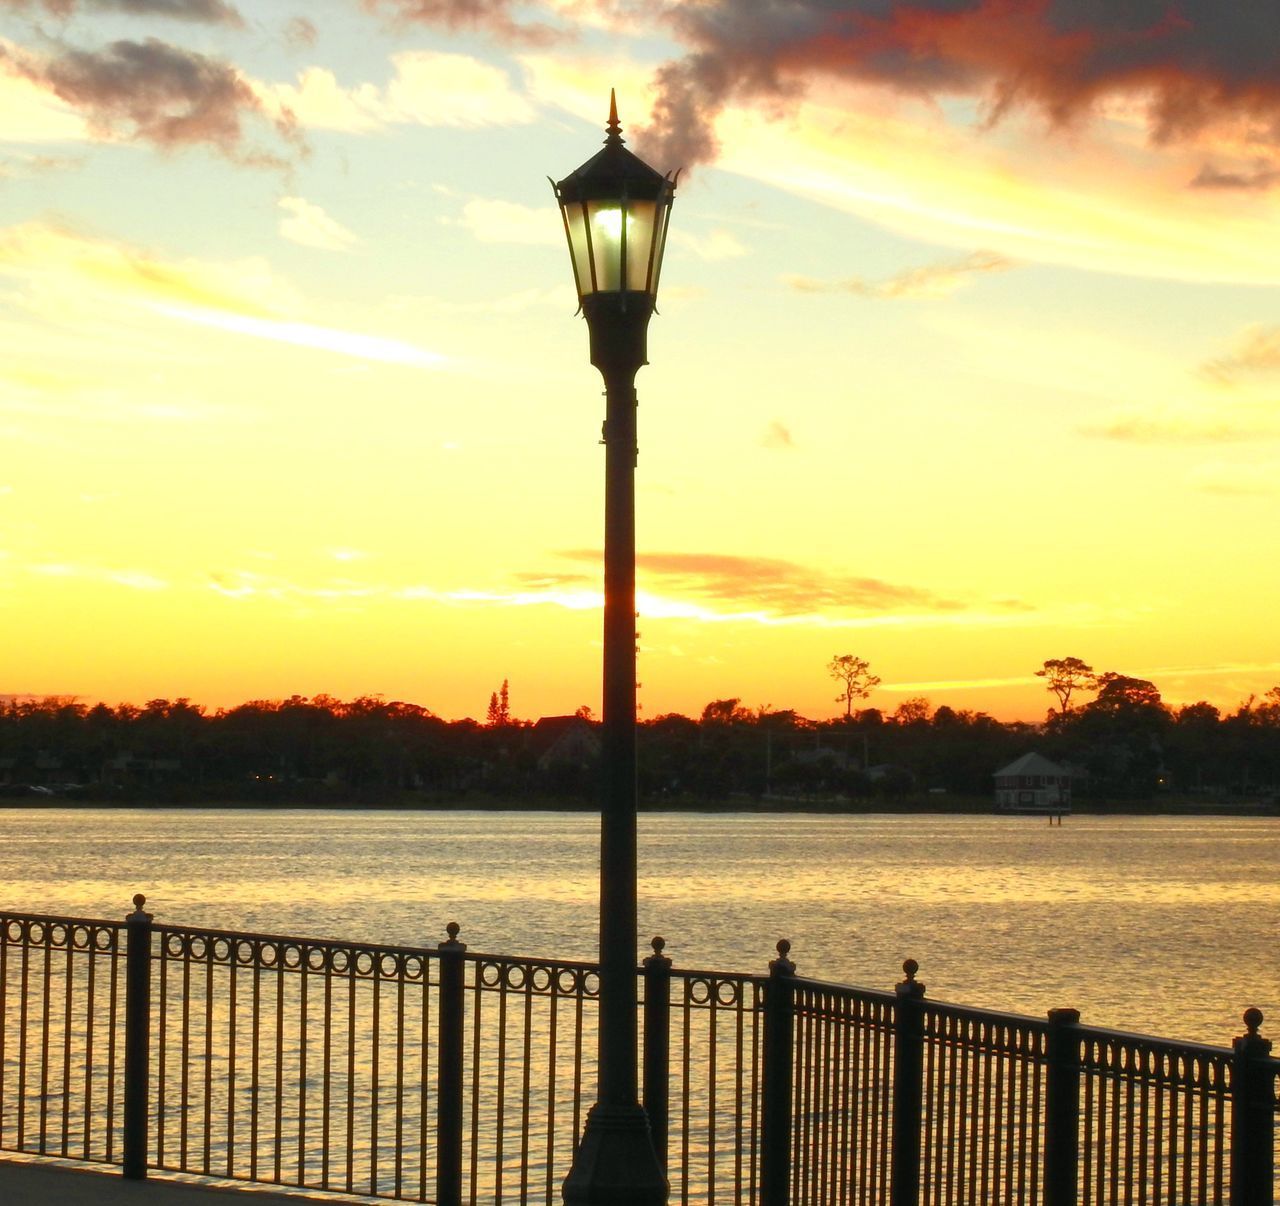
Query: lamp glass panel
x=661, y=221
x=640, y=218
x=577, y=222
x=606, y=219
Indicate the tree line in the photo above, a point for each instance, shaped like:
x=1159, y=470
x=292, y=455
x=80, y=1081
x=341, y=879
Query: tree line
x=1124, y=743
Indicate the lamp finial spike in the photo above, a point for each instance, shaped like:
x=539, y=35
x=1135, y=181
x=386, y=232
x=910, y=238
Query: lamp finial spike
x=614, y=128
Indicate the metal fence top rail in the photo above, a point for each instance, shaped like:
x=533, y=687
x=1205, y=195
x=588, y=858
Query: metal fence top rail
x=993, y=1017
x=51, y=919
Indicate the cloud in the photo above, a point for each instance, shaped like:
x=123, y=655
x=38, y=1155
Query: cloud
x=155, y=93
x=212, y=12
x=67, y=265
x=1260, y=178
x=493, y=221
x=927, y=171
x=301, y=32
x=714, y=245
x=309, y=335
x=1256, y=352
x=69, y=275
x=310, y=226
x=774, y=585
x=429, y=88
x=1174, y=427
x=131, y=578
x=1189, y=65
x=777, y=435
x=1242, y=480
x=926, y=282
x=494, y=17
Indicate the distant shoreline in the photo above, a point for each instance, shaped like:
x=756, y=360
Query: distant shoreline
x=940, y=806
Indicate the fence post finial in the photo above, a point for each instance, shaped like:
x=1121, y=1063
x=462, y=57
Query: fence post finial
x=782, y=966
x=910, y=985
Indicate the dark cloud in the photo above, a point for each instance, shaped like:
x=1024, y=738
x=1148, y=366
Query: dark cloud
x=212, y=12
x=775, y=585
x=1193, y=62
x=157, y=93
x=1257, y=180
x=496, y=17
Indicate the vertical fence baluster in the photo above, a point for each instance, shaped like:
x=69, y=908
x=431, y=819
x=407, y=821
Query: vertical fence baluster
x=779, y=1024
x=1062, y=1109
x=657, y=1047
x=908, y=1088
x=137, y=1039
x=1253, y=1108
x=449, y=1072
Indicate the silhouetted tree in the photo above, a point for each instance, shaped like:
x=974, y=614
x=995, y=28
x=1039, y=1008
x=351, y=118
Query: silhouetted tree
x=499, y=713
x=854, y=674
x=1064, y=677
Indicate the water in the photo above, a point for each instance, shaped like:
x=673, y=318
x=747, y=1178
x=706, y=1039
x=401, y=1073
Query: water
x=1161, y=925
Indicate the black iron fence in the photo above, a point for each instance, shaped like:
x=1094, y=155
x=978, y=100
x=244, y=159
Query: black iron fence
x=442, y=1075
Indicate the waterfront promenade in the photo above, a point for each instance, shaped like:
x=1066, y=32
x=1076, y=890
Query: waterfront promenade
x=26, y=1183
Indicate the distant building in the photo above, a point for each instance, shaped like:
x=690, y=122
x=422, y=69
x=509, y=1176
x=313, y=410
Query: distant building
x=1033, y=784
x=564, y=740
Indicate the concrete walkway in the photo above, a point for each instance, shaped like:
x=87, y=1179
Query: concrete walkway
x=48, y=1183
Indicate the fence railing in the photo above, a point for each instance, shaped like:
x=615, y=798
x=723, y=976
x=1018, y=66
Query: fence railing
x=443, y=1075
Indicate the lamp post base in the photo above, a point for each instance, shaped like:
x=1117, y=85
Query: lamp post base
x=616, y=1164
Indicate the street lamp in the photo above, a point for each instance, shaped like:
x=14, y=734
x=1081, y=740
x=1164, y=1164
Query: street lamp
x=616, y=209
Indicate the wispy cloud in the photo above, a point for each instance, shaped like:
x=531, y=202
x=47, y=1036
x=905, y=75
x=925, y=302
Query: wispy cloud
x=928, y=281
x=1235, y=479
x=68, y=261
x=712, y=246
x=309, y=335
x=300, y=32
x=499, y=18
x=67, y=272
x=1257, y=179
x=1256, y=353
x=1242, y=424
x=310, y=226
x=777, y=435
x=775, y=587
x=132, y=579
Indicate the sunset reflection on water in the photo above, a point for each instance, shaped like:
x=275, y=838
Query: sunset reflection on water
x=1160, y=924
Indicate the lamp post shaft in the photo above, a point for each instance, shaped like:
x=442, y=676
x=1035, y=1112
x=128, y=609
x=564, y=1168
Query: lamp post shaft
x=618, y=802
x=616, y=1163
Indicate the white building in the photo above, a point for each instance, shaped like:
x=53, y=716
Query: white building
x=1033, y=784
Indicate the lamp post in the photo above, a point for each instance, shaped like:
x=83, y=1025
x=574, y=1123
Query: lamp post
x=616, y=209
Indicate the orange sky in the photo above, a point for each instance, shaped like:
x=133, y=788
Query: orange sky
x=948, y=377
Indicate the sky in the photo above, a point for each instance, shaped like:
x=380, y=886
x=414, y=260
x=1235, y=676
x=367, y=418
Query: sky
x=967, y=353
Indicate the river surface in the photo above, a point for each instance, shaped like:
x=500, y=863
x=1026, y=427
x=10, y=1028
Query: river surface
x=1161, y=925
